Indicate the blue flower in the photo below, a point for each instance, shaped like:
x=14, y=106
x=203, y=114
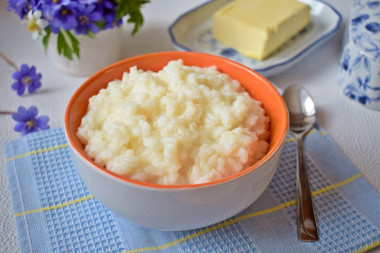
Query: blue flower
x=28, y=122
x=47, y=5
x=87, y=19
x=109, y=18
x=106, y=4
x=63, y=15
x=21, y=7
x=26, y=78
x=56, y=4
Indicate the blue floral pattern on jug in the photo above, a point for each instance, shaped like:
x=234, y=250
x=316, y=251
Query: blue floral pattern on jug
x=373, y=27
x=359, y=70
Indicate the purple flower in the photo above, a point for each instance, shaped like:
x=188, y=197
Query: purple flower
x=87, y=17
x=106, y=5
x=63, y=16
x=21, y=7
x=45, y=6
x=26, y=78
x=27, y=121
x=55, y=4
x=88, y=1
x=109, y=19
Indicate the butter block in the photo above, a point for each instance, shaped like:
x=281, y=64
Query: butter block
x=256, y=28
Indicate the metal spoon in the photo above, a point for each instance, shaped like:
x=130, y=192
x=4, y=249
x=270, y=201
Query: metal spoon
x=302, y=117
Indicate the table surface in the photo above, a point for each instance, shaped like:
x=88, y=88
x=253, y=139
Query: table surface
x=353, y=127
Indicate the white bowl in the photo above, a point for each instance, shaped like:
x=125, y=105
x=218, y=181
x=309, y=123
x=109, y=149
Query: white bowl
x=179, y=207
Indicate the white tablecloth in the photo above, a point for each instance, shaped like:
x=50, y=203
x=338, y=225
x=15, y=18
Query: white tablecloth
x=354, y=128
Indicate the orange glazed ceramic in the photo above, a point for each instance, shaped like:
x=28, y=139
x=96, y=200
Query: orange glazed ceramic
x=182, y=206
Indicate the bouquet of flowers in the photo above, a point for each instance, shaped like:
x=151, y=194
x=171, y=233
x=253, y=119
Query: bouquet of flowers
x=68, y=18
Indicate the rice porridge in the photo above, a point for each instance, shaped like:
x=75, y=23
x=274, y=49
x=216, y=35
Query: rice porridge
x=181, y=125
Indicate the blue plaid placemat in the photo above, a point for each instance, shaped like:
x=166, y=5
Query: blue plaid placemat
x=55, y=212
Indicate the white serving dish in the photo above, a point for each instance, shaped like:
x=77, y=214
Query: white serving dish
x=192, y=32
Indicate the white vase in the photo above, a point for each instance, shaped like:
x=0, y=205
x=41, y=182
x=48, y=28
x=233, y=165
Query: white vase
x=95, y=53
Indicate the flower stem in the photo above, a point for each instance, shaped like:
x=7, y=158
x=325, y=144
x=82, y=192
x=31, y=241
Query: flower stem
x=6, y=112
x=7, y=60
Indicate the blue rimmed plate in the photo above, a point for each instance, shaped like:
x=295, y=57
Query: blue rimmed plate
x=192, y=32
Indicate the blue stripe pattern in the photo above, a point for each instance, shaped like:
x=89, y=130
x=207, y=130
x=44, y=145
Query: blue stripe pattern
x=347, y=216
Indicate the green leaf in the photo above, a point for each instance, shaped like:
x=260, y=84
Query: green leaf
x=45, y=39
x=74, y=44
x=91, y=34
x=60, y=43
x=67, y=45
x=122, y=9
x=101, y=24
x=131, y=8
x=63, y=47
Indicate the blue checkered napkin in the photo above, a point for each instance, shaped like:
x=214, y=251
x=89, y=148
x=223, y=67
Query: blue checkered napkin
x=55, y=212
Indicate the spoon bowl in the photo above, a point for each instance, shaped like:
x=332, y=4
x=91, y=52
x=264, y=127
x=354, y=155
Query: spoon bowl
x=301, y=108
x=302, y=112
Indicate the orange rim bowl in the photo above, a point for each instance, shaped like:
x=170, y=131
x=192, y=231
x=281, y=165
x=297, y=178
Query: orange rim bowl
x=255, y=84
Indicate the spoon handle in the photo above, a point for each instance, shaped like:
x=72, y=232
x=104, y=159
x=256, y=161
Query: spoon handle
x=306, y=226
